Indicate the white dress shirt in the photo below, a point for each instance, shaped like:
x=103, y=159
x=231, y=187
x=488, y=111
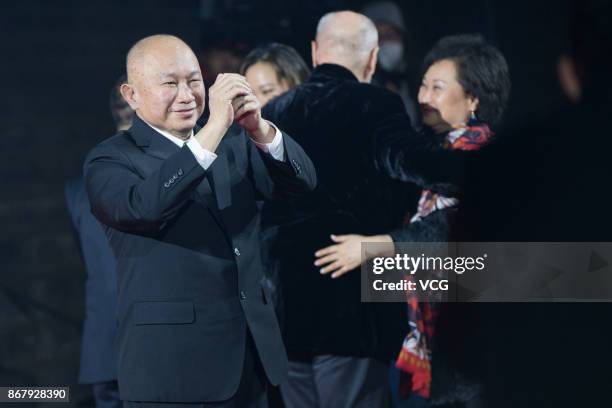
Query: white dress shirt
x=205, y=157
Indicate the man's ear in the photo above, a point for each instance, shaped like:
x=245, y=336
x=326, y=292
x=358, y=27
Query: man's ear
x=568, y=78
x=313, y=53
x=129, y=94
x=370, y=67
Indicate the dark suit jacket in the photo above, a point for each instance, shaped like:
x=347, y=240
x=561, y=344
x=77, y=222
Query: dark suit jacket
x=361, y=140
x=189, y=265
x=98, y=345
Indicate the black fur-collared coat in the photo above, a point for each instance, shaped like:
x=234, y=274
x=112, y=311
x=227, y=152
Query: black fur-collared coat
x=371, y=166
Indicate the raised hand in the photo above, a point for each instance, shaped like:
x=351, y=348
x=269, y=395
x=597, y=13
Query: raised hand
x=222, y=93
x=226, y=88
x=247, y=112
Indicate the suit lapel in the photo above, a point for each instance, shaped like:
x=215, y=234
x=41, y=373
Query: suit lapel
x=150, y=141
x=158, y=146
x=161, y=147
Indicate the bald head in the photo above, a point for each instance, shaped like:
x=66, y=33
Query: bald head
x=346, y=38
x=165, y=86
x=151, y=49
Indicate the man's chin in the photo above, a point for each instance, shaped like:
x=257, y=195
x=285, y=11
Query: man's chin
x=185, y=125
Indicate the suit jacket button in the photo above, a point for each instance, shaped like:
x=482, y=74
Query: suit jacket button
x=242, y=295
x=236, y=251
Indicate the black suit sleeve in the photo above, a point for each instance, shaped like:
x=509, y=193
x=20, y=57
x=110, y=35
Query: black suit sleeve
x=275, y=179
x=123, y=199
x=404, y=154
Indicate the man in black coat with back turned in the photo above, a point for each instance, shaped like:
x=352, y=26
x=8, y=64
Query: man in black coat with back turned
x=361, y=141
x=178, y=203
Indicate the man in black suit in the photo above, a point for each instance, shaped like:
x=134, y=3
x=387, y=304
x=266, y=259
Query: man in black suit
x=98, y=365
x=360, y=138
x=178, y=202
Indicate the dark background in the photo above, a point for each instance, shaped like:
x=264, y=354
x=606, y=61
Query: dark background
x=59, y=60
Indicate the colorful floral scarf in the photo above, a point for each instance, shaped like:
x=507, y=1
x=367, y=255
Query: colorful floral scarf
x=414, y=359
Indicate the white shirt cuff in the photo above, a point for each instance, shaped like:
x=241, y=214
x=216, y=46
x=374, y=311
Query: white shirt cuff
x=203, y=156
x=276, y=147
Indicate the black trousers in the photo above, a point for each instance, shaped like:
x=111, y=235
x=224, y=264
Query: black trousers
x=252, y=390
x=330, y=381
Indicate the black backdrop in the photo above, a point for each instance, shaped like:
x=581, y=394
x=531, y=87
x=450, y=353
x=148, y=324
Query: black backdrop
x=58, y=62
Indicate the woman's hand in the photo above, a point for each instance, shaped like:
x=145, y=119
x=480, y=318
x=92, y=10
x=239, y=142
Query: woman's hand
x=345, y=255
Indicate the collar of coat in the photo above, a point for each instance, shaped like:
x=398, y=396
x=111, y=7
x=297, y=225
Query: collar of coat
x=153, y=142
x=332, y=70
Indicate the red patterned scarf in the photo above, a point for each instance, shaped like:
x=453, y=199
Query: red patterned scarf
x=414, y=359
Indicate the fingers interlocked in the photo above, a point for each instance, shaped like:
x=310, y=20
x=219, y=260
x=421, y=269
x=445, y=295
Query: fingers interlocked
x=229, y=86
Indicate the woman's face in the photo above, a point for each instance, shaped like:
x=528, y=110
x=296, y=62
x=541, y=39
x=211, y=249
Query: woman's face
x=442, y=99
x=264, y=81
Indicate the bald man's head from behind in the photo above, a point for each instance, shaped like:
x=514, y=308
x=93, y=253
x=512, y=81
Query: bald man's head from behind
x=349, y=39
x=164, y=85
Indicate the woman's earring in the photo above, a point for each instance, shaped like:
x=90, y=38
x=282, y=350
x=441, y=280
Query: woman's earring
x=472, y=115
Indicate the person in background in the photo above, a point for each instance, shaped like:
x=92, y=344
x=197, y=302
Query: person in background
x=121, y=111
x=366, y=152
x=464, y=91
x=98, y=346
x=272, y=69
x=392, y=67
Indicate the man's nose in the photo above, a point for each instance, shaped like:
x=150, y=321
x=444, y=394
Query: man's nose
x=185, y=94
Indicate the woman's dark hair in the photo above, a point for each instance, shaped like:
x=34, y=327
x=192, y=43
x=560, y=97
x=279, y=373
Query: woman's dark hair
x=482, y=71
x=287, y=63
